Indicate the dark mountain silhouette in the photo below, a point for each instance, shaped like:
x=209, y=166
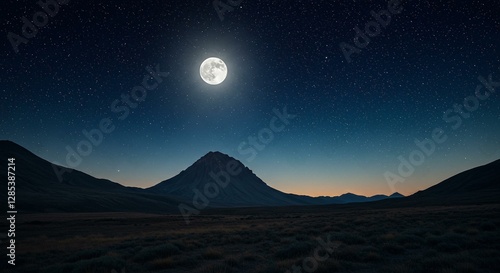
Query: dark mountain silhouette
x=38, y=188
x=354, y=198
x=477, y=185
x=242, y=189
x=479, y=179
x=396, y=195
x=480, y=185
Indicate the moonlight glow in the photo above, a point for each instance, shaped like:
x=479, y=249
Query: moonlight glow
x=213, y=71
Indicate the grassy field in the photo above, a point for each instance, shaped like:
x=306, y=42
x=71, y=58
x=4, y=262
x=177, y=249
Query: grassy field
x=427, y=239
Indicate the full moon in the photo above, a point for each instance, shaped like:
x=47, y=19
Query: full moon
x=213, y=71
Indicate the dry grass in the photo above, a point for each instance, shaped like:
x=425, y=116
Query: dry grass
x=432, y=239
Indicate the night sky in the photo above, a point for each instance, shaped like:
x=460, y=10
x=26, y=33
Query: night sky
x=352, y=119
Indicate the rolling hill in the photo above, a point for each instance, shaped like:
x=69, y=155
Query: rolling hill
x=38, y=189
x=477, y=185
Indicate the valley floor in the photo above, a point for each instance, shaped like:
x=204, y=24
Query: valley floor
x=323, y=239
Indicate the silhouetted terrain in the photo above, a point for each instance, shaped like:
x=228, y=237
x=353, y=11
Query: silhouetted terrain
x=38, y=189
x=481, y=184
x=41, y=189
x=450, y=227
x=243, y=189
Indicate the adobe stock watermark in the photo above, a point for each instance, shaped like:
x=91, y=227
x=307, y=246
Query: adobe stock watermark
x=39, y=20
x=372, y=29
x=453, y=116
x=221, y=8
x=211, y=190
x=258, y=142
x=94, y=137
x=233, y=168
x=311, y=263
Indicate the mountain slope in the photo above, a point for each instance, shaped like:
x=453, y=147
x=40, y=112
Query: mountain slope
x=477, y=185
x=225, y=181
x=38, y=189
x=479, y=179
x=243, y=189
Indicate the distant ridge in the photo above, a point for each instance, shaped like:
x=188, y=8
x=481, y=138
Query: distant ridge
x=354, y=198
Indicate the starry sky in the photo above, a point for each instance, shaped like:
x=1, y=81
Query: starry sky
x=353, y=120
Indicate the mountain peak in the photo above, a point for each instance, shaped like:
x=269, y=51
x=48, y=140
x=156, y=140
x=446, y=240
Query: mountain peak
x=396, y=194
x=215, y=153
x=349, y=194
x=215, y=158
x=225, y=181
